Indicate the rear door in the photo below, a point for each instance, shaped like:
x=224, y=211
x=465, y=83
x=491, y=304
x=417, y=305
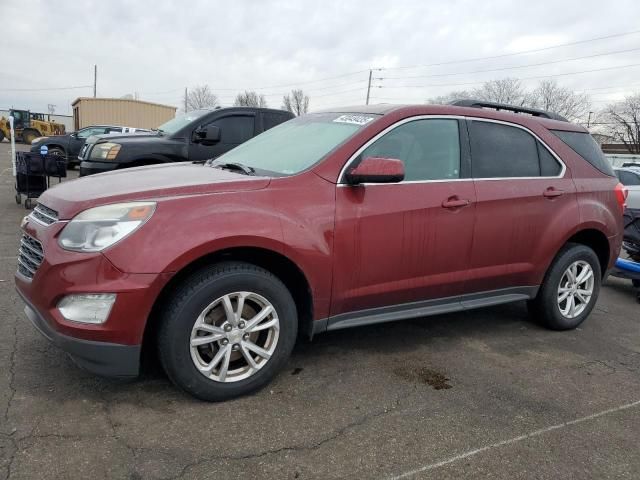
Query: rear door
x=235, y=129
x=404, y=242
x=525, y=199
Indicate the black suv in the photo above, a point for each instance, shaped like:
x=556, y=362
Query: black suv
x=198, y=135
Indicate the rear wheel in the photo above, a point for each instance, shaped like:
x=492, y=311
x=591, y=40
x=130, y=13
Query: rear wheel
x=1, y=135
x=570, y=288
x=227, y=331
x=29, y=136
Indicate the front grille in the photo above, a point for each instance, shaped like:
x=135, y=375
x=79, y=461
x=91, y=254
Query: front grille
x=30, y=256
x=44, y=215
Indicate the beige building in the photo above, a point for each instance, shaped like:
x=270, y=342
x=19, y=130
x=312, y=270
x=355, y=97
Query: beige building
x=89, y=111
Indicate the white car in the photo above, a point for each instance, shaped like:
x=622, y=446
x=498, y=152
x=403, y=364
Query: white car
x=630, y=178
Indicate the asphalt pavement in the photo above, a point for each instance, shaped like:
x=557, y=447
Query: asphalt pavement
x=482, y=394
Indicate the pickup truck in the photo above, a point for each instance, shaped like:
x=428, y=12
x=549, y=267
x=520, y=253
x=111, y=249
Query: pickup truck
x=69, y=145
x=195, y=136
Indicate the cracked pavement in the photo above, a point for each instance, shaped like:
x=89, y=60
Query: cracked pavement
x=358, y=403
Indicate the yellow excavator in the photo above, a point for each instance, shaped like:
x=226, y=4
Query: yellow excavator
x=28, y=126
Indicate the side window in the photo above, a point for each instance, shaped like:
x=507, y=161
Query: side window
x=549, y=166
x=628, y=179
x=271, y=119
x=502, y=151
x=430, y=149
x=235, y=129
x=87, y=132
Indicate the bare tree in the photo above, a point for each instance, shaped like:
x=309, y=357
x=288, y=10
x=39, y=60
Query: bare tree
x=505, y=90
x=450, y=97
x=552, y=97
x=624, y=119
x=296, y=102
x=201, y=97
x=250, y=99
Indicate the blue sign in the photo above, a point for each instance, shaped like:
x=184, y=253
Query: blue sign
x=44, y=150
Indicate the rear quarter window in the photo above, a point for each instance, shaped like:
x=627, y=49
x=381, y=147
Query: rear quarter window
x=271, y=119
x=584, y=145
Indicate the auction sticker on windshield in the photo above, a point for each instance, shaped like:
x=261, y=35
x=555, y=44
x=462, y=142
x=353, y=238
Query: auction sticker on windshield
x=354, y=119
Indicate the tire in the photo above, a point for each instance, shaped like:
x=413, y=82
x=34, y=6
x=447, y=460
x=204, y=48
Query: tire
x=58, y=152
x=29, y=135
x=28, y=204
x=186, y=365
x=547, y=307
x=1, y=135
x=18, y=198
x=635, y=283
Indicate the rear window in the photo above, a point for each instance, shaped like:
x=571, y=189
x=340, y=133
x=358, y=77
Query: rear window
x=585, y=146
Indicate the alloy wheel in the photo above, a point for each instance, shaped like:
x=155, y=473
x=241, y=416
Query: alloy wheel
x=234, y=337
x=575, y=289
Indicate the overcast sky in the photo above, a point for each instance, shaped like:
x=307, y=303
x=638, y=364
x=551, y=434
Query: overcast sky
x=157, y=48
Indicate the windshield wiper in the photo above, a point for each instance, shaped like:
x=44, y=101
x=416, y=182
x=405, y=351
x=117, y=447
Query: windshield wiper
x=238, y=167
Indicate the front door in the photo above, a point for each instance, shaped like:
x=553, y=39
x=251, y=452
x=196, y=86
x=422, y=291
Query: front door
x=234, y=130
x=409, y=241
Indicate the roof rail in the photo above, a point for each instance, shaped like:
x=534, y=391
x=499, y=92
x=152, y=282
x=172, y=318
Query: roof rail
x=510, y=108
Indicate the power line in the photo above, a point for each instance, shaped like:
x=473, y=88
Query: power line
x=524, y=52
x=517, y=78
x=294, y=84
x=45, y=89
x=512, y=68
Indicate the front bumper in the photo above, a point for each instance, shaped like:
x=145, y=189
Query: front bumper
x=100, y=358
x=90, y=167
x=111, y=348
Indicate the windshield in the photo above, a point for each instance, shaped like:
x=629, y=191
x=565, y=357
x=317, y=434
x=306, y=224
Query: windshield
x=294, y=146
x=175, y=124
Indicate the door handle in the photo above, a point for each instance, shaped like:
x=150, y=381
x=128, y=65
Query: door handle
x=455, y=202
x=553, y=192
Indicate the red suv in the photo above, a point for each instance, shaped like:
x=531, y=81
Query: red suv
x=335, y=219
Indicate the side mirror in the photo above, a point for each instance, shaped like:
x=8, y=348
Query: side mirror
x=207, y=135
x=376, y=170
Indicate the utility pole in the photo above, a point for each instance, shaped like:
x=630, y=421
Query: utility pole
x=589, y=120
x=369, y=86
x=185, y=99
x=95, y=79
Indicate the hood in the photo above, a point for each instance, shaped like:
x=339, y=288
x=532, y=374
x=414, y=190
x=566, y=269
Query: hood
x=124, y=138
x=144, y=183
x=50, y=138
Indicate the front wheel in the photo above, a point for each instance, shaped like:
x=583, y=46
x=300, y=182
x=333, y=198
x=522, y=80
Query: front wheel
x=227, y=331
x=29, y=136
x=570, y=288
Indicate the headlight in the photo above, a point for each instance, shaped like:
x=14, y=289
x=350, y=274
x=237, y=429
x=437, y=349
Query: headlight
x=105, y=151
x=98, y=228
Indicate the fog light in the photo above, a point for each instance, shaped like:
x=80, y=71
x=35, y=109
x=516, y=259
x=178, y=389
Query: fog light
x=87, y=308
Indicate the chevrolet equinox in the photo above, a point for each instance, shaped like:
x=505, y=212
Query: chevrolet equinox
x=336, y=219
